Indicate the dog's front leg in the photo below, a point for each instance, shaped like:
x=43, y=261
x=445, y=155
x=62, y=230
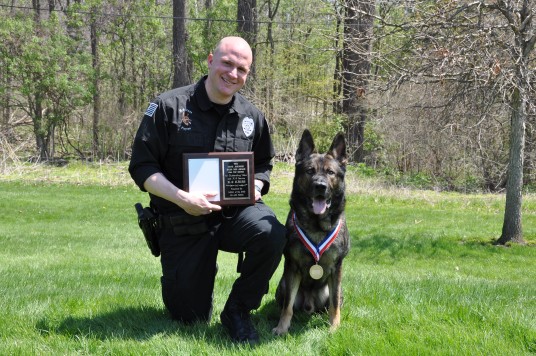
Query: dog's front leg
x=335, y=291
x=292, y=281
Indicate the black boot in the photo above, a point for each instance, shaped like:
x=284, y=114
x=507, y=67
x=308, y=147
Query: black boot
x=237, y=322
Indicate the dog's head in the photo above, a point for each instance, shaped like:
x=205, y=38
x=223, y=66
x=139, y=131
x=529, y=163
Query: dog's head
x=319, y=177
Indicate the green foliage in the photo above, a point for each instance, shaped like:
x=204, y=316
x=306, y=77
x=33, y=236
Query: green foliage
x=51, y=75
x=362, y=170
x=395, y=43
x=440, y=73
x=324, y=130
x=204, y=35
x=14, y=34
x=418, y=180
x=135, y=55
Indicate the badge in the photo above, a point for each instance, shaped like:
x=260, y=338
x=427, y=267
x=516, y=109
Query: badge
x=316, y=272
x=248, y=126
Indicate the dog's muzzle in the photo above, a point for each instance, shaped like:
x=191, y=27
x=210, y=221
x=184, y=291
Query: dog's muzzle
x=320, y=200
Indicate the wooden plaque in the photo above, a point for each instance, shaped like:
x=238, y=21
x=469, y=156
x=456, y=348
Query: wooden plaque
x=228, y=174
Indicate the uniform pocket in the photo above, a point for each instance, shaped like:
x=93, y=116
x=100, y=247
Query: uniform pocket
x=186, y=139
x=242, y=145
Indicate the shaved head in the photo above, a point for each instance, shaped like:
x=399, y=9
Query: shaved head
x=236, y=44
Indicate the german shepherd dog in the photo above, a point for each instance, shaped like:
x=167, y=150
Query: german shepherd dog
x=318, y=238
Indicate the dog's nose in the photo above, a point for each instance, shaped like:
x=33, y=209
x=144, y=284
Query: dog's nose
x=320, y=187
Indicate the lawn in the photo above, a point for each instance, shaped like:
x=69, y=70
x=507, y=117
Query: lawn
x=421, y=278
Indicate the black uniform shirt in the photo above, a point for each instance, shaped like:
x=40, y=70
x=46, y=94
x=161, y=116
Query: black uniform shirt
x=184, y=120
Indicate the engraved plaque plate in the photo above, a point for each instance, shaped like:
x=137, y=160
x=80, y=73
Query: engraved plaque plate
x=229, y=175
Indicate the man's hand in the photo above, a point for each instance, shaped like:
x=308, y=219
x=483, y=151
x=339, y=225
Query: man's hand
x=258, y=188
x=197, y=203
x=193, y=203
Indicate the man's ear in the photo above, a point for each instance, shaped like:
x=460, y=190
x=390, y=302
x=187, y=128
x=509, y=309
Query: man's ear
x=210, y=58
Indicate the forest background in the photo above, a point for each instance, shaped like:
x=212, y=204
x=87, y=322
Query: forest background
x=437, y=94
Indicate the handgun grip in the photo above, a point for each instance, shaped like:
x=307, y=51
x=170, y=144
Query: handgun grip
x=139, y=210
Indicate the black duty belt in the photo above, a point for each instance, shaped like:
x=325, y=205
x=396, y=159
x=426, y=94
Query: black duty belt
x=184, y=224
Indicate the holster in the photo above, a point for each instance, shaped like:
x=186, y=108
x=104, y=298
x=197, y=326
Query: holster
x=149, y=224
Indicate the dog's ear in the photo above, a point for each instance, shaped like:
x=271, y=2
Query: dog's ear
x=305, y=147
x=338, y=149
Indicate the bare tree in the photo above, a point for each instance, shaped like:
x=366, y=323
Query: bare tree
x=462, y=67
x=181, y=70
x=358, y=21
x=36, y=105
x=94, y=40
x=519, y=16
x=272, y=7
x=246, y=18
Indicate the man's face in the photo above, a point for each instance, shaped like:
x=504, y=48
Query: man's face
x=228, y=70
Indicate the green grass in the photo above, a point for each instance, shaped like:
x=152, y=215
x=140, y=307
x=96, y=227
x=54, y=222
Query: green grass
x=421, y=278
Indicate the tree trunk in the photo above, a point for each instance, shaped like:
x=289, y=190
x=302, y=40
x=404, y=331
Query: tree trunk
x=270, y=86
x=521, y=23
x=39, y=130
x=5, y=97
x=512, y=227
x=337, y=75
x=181, y=72
x=37, y=107
x=246, y=17
x=37, y=11
x=356, y=68
x=96, y=91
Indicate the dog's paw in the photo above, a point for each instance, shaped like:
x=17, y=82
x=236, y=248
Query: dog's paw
x=279, y=330
x=335, y=323
x=334, y=318
x=333, y=328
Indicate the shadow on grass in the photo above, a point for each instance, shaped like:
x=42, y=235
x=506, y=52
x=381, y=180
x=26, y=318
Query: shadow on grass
x=383, y=246
x=130, y=324
x=268, y=317
x=143, y=323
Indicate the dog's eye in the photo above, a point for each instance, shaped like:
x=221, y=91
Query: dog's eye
x=310, y=171
x=330, y=172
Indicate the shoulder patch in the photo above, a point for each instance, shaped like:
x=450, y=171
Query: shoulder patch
x=151, y=109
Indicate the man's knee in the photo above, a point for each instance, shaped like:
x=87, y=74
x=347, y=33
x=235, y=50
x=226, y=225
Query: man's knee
x=185, y=304
x=278, y=236
x=273, y=234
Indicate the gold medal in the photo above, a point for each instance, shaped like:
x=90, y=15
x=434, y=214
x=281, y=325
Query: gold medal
x=316, y=272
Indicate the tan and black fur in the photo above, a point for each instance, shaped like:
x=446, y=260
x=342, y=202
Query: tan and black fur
x=318, y=200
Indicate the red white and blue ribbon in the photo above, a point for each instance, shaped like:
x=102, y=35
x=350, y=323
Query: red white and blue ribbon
x=315, y=250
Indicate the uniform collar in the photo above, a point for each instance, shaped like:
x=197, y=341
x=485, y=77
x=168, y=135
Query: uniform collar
x=201, y=95
x=204, y=102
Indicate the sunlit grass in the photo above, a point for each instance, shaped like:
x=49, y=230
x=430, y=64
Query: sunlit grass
x=421, y=278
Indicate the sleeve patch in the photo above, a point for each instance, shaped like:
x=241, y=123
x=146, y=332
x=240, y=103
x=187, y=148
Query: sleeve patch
x=151, y=109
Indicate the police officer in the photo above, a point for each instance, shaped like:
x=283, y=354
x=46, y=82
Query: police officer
x=209, y=116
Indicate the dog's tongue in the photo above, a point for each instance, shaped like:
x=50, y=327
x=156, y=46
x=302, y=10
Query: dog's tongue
x=319, y=206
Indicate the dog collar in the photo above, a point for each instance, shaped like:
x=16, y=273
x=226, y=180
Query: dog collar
x=316, y=250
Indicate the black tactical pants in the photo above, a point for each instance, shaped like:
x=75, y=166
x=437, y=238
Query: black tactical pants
x=189, y=261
